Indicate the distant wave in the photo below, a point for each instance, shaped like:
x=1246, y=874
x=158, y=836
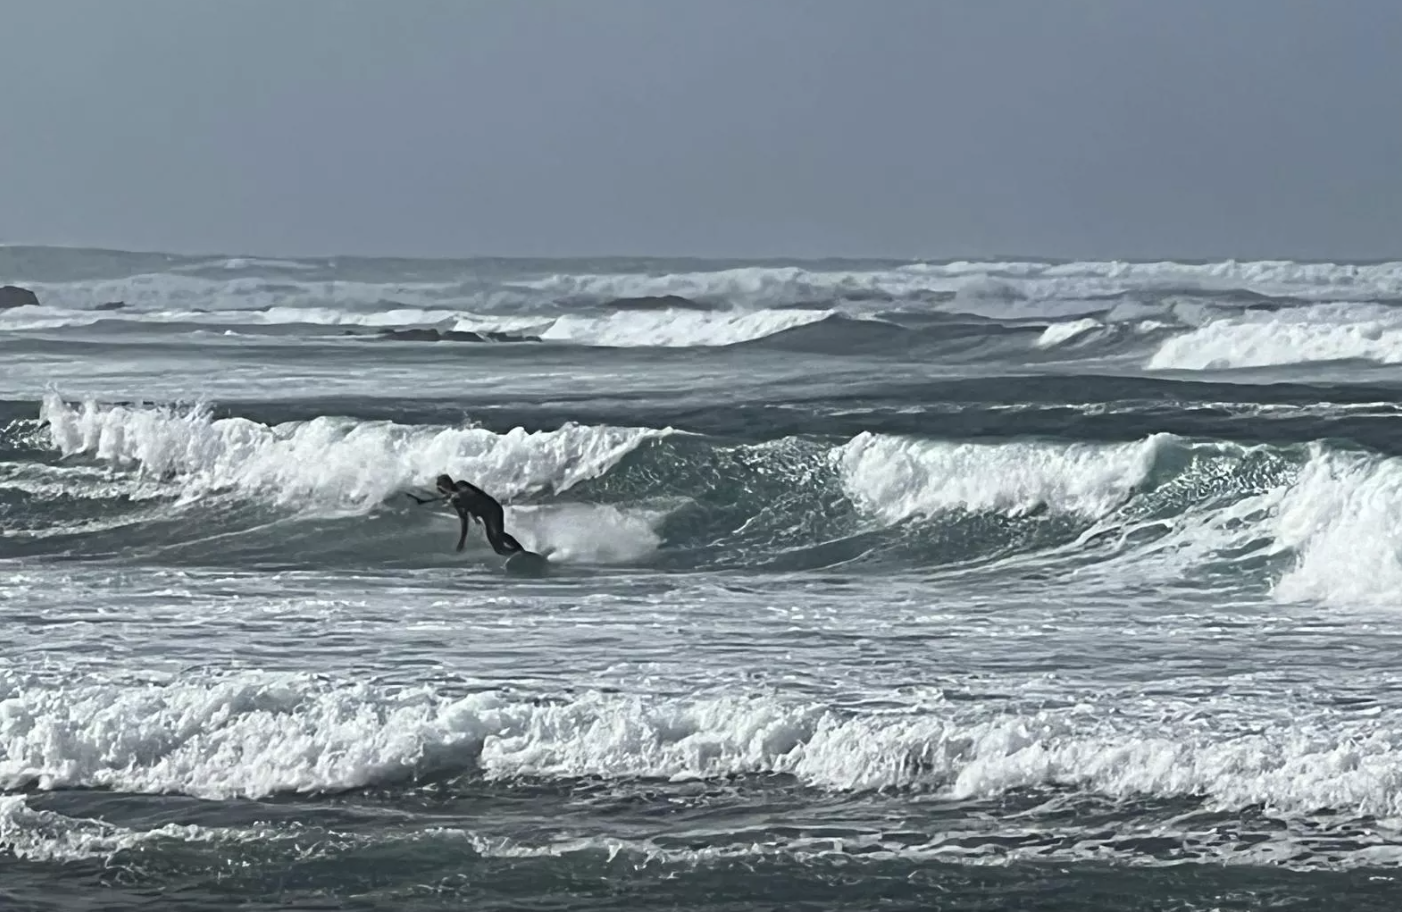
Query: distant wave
x=449, y=335
x=1073, y=281
x=469, y=286
x=675, y=328
x=1170, y=316
x=1316, y=333
x=1182, y=337
x=836, y=334
x=658, y=302
x=1064, y=332
x=632, y=327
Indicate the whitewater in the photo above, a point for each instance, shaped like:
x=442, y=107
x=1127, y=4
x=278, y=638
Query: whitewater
x=959, y=585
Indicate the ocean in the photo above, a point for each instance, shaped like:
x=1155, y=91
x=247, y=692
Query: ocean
x=874, y=585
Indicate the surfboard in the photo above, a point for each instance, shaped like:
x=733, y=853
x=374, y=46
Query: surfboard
x=527, y=563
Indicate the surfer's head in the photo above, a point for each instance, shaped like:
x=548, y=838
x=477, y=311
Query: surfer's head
x=445, y=484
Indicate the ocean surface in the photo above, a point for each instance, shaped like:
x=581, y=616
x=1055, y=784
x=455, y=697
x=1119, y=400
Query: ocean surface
x=875, y=585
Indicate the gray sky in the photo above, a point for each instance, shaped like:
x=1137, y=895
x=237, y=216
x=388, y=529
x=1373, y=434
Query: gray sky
x=920, y=128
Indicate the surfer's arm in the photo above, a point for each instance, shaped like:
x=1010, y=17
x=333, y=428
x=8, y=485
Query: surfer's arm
x=442, y=498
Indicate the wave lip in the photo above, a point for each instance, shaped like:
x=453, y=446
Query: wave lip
x=676, y=328
x=1341, y=517
x=902, y=477
x=329, y=463
x=1061, y=333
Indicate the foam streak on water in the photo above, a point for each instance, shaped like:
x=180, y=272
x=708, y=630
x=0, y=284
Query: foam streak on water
x=932, y=585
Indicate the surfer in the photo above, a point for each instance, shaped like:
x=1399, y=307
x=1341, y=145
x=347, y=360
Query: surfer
x=472, y=502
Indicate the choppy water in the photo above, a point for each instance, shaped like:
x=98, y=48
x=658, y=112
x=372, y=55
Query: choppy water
x=958, y=586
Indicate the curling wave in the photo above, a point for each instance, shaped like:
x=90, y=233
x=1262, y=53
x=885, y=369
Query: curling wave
x=1308, y=520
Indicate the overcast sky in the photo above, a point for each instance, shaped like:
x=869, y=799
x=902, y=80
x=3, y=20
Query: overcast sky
x=907, y=128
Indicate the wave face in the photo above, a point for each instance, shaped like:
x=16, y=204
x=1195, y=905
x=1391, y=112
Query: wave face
x=1300, y=520
x=891, y=582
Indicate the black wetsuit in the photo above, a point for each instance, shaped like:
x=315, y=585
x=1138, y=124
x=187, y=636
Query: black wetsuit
x=471, y=501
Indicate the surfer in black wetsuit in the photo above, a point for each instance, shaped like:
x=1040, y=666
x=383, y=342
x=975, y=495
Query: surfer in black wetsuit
x=472, y=502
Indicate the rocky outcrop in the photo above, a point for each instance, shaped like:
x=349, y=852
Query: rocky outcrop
x=14, y=296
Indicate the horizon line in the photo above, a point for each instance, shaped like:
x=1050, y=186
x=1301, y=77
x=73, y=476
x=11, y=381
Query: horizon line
x=1001, y=257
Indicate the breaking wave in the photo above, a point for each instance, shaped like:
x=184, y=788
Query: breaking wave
x=258, y=735
x=1305, y=521
x=1318, y=333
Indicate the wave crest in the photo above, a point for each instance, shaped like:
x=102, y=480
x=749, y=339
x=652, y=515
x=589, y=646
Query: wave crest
x=329, y=463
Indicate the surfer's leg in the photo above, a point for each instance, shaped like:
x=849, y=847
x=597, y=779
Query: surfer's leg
x=501, y=540
x=506, y=544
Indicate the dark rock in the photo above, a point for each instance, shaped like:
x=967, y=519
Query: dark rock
x=112, y=305
x=14, y=296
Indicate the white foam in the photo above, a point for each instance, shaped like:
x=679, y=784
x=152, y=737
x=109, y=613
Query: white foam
x=1325, y=332
x=745, y=286
x=976, y=842
x=1000, y=280
x=46, y=317
x=1061, y=333
x=330, y=463
x=620, y=329
x=1342, y=516
x=587, y=533
x=258, y=735
x=257, y=262
x=170, y=292
x=46, y=836
x=31, y=318
x=330, y=316
x=678, y=328
x=899, y=477
x=1338, y=514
